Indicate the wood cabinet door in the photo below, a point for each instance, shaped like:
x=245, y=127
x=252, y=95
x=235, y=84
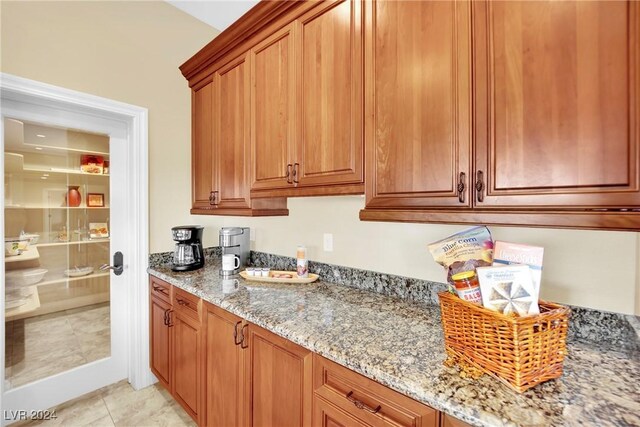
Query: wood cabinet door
x=187, y=363
x=232, y=130
x=417, y=103
x=224, y=368
x=273, y=110
x=327, y=415
x=557, y=104
x=330, y=143
x=202, y=147
x=160, y=341
x=279, y=388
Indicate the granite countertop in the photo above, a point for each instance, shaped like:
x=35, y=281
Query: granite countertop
x=400, y=344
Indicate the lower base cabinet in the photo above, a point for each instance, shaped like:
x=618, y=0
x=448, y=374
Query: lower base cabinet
x=371, y=403
x=177, y=356
x=226, y=372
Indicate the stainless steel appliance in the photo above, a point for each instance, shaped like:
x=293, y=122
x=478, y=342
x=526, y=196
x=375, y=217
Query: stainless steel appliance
x=188, y=254
x=235, y=240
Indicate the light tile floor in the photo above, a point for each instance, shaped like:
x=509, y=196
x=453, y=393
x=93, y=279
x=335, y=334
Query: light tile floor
x=119, y=405
x=42, y=346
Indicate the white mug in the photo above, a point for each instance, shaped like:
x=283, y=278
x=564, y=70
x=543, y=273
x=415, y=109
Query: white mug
x=229, y=286
x=230, y=262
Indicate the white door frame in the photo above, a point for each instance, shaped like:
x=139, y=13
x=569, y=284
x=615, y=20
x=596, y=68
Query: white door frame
x=135, y=119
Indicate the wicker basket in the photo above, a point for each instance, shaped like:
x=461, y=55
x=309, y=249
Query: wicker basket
x=520, y=351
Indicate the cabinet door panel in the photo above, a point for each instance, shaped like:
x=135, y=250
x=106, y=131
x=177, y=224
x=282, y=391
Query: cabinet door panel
x=160, y=342
x=187, y=351
x=273, y=109
x=331, y=145
x=418, y=103
x=224, y=366
x=327, y=415
x=279, y=374
x=558, y=103
x=202, y=154
x=233, y=145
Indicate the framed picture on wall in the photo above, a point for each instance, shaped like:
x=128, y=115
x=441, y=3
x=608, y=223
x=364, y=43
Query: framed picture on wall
x=95, y=200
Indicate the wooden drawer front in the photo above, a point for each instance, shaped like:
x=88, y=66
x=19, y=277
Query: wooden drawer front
x=327, y=415
x=187, y=304
x=367, y=400
x=160, y=289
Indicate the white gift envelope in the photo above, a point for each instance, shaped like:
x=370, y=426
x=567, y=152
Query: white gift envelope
x=508, y=289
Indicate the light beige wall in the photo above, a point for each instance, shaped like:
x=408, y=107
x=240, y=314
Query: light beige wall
x=123, y=50
x=130, y=51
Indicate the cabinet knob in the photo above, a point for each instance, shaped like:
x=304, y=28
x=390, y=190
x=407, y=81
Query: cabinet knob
x=480, y=186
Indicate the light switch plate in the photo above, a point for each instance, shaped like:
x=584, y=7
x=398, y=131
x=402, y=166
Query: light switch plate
x=327, y=239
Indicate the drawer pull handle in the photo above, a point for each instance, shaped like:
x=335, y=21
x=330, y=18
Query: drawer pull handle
x=360, y=405
x=161, y=290
x=182, y=302
x=235, y=334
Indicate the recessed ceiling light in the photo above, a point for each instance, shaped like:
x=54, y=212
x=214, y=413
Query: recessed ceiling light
x=43, y=177
x=45, y=174
x=41, y=135
x=39, y=148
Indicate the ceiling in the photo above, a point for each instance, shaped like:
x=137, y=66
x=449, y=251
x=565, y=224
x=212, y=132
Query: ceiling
x=217, y=13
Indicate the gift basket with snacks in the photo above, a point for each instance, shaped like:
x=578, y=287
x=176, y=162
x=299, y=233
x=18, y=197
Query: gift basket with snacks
x=492, y=318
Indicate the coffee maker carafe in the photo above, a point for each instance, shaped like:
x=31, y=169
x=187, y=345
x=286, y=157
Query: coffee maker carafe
x=188, y=254
x=235, y=240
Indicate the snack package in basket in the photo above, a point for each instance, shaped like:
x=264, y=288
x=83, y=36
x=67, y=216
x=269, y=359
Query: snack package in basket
x=463, y=251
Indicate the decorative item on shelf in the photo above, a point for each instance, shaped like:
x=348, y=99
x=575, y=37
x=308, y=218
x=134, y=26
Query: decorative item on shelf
x=98, y=230
x=78, y=271
x=276, y=276
x=105, y=169
x=90, y=163
x=95, y=200
x=73, y=197
x=63, y=236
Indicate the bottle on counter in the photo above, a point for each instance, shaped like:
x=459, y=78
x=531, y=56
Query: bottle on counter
x=468, y=287
x=302, y=262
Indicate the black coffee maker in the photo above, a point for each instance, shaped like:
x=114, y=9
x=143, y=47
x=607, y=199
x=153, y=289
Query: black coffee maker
x=188, y=254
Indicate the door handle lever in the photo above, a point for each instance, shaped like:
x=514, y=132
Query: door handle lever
x=117, y=266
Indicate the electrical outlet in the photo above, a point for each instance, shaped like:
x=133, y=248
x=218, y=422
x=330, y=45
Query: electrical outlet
x=327, y=239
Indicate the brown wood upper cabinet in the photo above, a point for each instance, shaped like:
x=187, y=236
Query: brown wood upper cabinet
x=221, y=145
x=419, y=99
x=554, y=139
x=307, y=105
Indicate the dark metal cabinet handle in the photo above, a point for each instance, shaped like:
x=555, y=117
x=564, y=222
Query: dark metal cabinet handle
x=360, y=405
x=160, y=289
x=235, y=334
x=480, y=186
x=288, y=175
x=243, y=336
x=169, y=319
x=212, y=198
x=295, y=173
x=461, y=186
x=166, y=317
x=180, y=301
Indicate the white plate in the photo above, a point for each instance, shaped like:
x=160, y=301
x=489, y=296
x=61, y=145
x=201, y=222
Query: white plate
x=26, y=277
x=78, y=271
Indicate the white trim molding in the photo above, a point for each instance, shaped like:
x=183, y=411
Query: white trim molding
x=133, y=122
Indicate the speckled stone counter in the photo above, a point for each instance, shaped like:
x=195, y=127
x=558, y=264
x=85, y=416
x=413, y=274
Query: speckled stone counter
x=400, y=344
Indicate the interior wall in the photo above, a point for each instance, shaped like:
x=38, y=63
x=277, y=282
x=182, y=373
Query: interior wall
x=130, y=51
x=123, y=50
